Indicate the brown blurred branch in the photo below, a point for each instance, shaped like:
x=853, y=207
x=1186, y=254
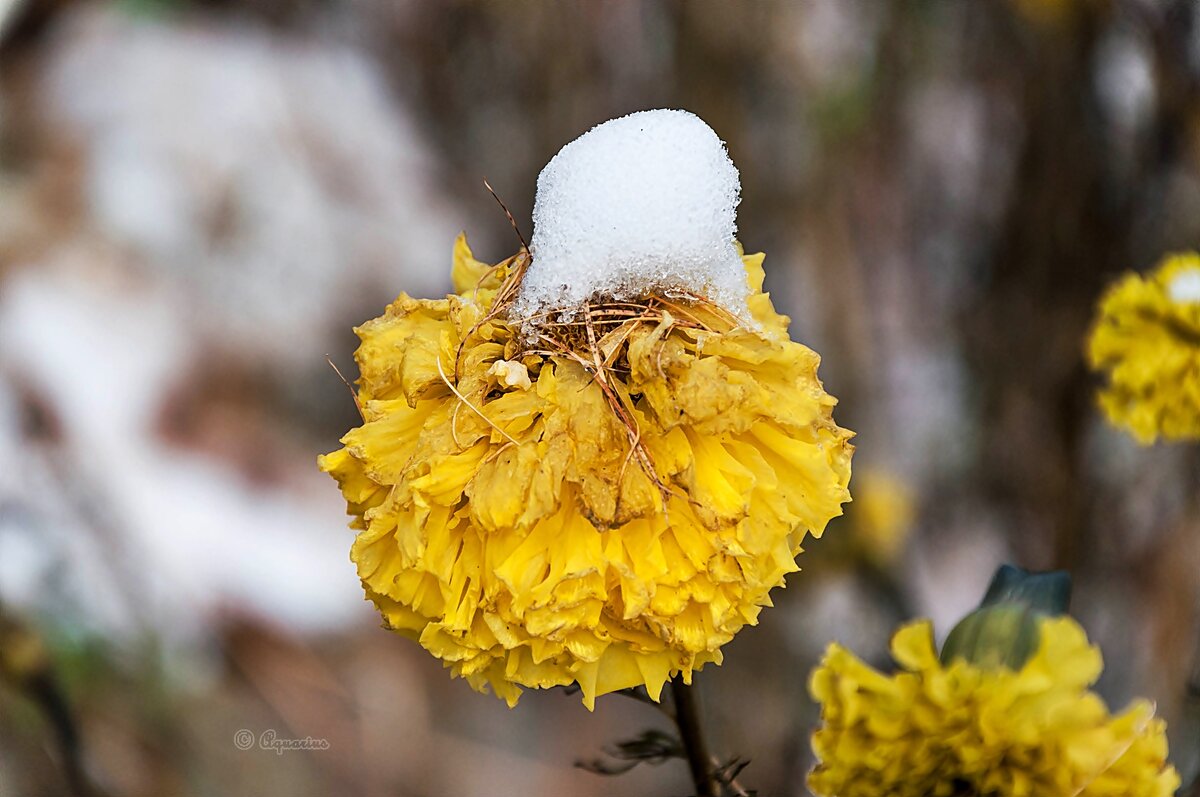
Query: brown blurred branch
x=1189, y=725
x=1191, y=714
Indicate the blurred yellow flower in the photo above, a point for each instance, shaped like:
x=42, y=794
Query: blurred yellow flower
x=534, y=525
x=1047, y=13
x=1147, y=340
x=883, y=513
x=962, y=728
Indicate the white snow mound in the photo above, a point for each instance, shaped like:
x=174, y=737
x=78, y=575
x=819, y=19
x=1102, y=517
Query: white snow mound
x=1185, y=287
x=638, y=204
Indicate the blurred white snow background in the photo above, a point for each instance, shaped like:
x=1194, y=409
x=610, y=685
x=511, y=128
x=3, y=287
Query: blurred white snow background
x=237, y=198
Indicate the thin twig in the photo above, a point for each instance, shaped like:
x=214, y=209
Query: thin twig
x=726, y=774
x=507, y=213
x=632, y=428
x=471, y=406
x=574, y=337
x=514, y=269
x=350, y=387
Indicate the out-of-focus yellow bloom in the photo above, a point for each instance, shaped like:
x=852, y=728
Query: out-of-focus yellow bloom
x=958, y=729
x=883, y=513
x=1047, y=13
x=505, y=523
x=1147, y=340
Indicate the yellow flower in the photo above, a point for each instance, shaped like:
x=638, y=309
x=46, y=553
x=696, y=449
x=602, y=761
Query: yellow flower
x=884, y=509
x=533, y=525
x=1147, y=339
x=959, y=729
x=1047, y=13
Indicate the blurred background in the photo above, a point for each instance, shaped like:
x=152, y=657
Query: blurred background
x=198, y=200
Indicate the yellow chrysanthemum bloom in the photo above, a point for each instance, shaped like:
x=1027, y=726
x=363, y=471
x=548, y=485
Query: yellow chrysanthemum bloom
x=1147, y=339
x=935, y=730
x=884, y=508
x=529, y=531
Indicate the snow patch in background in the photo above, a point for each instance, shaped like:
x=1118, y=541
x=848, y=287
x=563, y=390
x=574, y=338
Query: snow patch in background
x=241, y=192
x=642, y=203
x=275, y=177
x=106, y=524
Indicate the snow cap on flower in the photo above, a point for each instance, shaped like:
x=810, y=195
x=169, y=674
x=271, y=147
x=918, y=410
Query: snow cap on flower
x=641, y=203
x=606, y=499
x=1185, y=285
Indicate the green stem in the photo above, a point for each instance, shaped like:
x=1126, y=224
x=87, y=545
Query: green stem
x=687, y=718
